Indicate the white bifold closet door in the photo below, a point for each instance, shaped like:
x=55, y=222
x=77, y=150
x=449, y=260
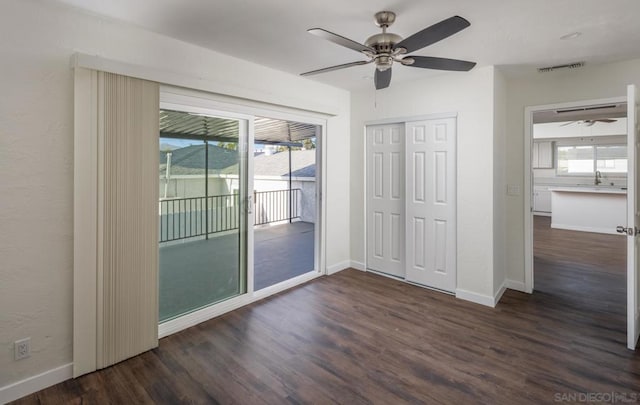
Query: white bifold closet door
x=385, y=192
x=431, y=203
x=411, y=201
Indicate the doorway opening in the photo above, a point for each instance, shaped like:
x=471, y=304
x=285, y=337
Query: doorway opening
x=578, y=186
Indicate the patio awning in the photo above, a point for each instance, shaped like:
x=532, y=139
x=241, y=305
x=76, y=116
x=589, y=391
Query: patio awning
x=179, y=124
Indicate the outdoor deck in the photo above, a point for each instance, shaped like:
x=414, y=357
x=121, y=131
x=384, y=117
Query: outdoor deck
x=196, y=273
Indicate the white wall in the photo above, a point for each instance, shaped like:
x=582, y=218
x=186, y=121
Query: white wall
x=499, y=182
x=471, y=96
x=36, y=157
x=594, y=82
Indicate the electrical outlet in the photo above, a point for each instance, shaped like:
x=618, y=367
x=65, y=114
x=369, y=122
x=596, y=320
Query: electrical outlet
x=22, y=348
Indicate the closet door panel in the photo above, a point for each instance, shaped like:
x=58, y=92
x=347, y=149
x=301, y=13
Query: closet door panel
x=385, y=199
x=430, y=208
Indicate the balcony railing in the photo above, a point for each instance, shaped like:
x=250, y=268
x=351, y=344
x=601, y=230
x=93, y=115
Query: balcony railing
x=183, y=218
x=275, y=206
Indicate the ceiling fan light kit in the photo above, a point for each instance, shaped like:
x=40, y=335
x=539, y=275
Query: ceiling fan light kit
x=385, y=48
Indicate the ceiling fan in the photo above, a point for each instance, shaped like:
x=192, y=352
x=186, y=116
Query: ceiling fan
x=588, y=123
x=385, y=48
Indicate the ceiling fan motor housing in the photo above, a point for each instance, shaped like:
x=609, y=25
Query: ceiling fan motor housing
x=383, y=44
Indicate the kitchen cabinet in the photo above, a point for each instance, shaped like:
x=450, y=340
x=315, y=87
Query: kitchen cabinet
x=542, y=157
x=541, y=199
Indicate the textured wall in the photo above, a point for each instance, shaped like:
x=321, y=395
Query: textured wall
x=36, y=157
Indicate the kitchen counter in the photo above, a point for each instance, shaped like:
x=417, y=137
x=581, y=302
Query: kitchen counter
x=588, y=209
x=594, y=189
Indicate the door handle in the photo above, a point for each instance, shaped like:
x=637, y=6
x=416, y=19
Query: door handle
x=249, y=205
x=629, y=231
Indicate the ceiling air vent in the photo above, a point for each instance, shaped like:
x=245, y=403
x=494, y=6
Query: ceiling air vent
x=559, y=67
x=580, y=109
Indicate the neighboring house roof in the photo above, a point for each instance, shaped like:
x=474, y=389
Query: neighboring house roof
x=190, y=160
x=303, y=164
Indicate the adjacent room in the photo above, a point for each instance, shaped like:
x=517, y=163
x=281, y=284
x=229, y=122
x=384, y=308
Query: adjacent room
x=579, y=164
x=319, y=202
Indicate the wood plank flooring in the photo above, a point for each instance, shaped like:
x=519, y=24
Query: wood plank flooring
x=358, y=338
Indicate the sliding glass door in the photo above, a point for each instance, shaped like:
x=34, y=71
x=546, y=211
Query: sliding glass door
x=202, y=208
x=285, y=190
x=239, y=209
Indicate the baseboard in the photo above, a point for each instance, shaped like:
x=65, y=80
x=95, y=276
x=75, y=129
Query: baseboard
x=542, y=214
x=36, y=383
x=358, y=265
x=515, y=285
x=608, y=231
x=333, y=269
x=499, y=293
x=470, y=296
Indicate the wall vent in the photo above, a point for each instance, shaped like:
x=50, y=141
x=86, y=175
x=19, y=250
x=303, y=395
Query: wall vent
x=597, y=107
x=559, y=67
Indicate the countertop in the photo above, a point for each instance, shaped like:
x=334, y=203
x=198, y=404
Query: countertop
x=594, y=189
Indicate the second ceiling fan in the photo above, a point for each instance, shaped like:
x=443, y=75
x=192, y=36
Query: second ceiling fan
x=385, y=48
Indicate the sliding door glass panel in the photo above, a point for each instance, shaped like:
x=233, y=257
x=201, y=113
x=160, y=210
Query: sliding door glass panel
x=284, y=186
x=202, y=226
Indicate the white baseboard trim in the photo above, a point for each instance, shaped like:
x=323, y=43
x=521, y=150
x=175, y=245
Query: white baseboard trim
x=333, y=269
x=470, y=296
x=515, y=285
x=542, y=214
x=35, y=383
x=358, y=265
x=609, y=231
x=499, y=293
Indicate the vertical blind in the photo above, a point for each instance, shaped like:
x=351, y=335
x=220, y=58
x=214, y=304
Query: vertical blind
x=128, y=120
x=115, y=218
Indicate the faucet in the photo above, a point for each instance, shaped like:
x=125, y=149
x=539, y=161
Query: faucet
x=598, y=178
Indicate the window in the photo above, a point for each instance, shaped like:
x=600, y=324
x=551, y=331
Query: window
x=611, y=159
x=586, y=159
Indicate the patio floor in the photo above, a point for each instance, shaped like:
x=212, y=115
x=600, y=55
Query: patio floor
x=194, y=274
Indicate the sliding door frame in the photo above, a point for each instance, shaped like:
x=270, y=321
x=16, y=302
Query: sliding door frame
x=179, y=99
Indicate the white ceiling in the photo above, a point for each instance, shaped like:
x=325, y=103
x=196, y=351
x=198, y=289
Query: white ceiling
x=521, y=33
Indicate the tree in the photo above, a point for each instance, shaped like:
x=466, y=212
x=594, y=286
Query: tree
x=228, y=145
x=309, y=143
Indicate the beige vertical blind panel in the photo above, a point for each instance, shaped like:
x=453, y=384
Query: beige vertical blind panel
x=127, y=262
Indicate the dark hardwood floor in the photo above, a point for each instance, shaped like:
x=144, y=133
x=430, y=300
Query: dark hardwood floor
x=356, y=337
